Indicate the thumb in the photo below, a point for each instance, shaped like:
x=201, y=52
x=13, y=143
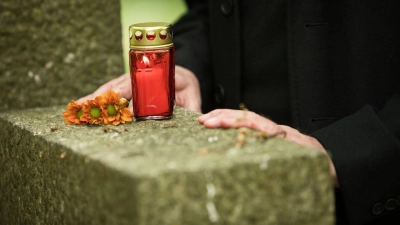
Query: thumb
x=193, y=105
x=130, y=107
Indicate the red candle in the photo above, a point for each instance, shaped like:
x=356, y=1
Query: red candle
x=152, y=65
x=151, y=76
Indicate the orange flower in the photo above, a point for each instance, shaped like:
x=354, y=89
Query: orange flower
x=92, y=111
x=108, y=108
x=124, y=111
x=114, y=109
x=73, y=113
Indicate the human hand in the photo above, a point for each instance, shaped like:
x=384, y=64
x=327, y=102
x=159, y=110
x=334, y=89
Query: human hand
x=228, y=118
x=187, y=90
x=121, y=84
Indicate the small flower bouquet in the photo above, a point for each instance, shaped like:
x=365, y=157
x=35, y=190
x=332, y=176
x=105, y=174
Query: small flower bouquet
x=108, y=108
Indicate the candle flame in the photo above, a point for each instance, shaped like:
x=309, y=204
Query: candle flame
x=146, y=61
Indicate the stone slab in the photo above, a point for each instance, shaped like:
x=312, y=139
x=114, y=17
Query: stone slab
x=55, y=51
x=155, y=172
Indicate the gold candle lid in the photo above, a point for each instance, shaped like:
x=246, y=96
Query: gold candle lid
x=150, y=35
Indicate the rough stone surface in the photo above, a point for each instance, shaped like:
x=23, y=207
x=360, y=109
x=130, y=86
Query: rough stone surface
x=55, y=51
x=155, y=172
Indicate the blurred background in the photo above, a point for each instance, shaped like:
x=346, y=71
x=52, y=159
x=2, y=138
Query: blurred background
x=54, y=51
x=137, y=11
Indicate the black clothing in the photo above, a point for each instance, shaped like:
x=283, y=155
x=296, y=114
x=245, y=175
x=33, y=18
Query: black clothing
x=332, y=72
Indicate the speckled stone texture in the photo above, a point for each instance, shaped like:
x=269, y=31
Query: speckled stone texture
x=55, y=51
x=155, y=172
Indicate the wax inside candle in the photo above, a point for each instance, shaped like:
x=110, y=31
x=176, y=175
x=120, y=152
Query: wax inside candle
x=152, y=83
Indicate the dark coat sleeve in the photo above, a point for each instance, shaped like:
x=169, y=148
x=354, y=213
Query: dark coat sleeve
x=191, y=40
x=365, y=149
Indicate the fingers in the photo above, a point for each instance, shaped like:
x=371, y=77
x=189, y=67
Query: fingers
x=122, y=84
x=220, y=113
x=101, y=90
x=215, y=122
x=228, y=118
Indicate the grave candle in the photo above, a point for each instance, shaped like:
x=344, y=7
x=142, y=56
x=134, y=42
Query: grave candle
x=152, y=69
